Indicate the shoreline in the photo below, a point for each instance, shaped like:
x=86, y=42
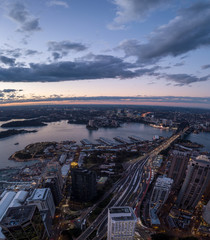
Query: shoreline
x=10, y=157
x=13, y=132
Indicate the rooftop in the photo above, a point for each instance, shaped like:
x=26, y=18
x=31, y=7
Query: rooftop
x=122, y=214
x=39, y=194
x=17, y=215
x=163, y=181
x=119, y=210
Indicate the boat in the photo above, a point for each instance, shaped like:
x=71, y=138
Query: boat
x=16, y=143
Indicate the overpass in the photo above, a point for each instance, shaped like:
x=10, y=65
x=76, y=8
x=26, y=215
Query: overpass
x=127, y=190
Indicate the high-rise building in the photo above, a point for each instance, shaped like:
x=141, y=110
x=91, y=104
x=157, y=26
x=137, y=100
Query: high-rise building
x=121, y=223
x=51, y=182
x=43, y=199
x=54, y=170
x=23, y=222
x=196, y=180
x=83, y=184
x=178, y=166
x=161, y=191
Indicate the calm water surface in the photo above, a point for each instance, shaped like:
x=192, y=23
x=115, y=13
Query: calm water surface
x=201, y=138
x=59, y=131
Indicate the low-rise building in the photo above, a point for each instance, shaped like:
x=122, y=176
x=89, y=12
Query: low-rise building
x=43, y=199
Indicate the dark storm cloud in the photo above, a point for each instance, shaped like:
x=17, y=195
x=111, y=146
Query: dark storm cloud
x=27, y=22
x=187, y=31
x=62, y=48
x=7, y=61
x=132, y=10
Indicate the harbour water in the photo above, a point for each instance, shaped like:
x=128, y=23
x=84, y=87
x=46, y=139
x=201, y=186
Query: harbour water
x=60, y=131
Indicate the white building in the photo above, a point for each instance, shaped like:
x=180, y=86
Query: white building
x=43, y=199
x=10, y=199
x=121, y=223
x=161, y=191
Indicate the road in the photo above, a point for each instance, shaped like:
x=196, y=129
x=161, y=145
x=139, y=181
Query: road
x=130, y=189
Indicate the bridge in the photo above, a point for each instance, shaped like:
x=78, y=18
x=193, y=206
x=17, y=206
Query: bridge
x=127, y=190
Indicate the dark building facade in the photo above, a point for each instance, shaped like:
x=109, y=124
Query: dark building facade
x=178, y=167
x=53, y=180
x=23, y=223
x=83, y=184
x=195, y=183
x=52, y=183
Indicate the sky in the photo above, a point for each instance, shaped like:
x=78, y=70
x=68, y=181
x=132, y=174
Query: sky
x=154, y=52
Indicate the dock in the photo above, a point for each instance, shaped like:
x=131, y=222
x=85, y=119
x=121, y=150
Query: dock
x=106, y=141
x=122, y=140
x=136, y=138
x=86, y=142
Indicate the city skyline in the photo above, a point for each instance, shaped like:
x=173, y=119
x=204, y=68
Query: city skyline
x=105, y=52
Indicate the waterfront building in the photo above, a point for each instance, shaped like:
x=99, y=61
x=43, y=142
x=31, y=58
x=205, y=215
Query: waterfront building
x=43, y=199
x=196, y=180
x=121, y=223
x=178, y=166
x=83, y=184
x=161, y=191
x=23, y=222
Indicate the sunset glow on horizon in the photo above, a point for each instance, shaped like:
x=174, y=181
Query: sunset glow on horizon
x=72, y=51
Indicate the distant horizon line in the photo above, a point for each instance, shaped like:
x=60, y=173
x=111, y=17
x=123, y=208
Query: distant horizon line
x=107, y=103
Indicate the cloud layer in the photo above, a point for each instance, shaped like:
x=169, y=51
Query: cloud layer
x=89, y=67
x=58, y=3
x=152, y=100
x=188, y=31
x=61, y=49
x=7, y=61
x=132, y=10
x=26, y=22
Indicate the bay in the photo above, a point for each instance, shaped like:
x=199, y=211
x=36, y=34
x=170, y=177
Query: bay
x=202, y=138
x=60, y=131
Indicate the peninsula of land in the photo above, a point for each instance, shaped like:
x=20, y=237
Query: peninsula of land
x=12, y=132
x=25, y=123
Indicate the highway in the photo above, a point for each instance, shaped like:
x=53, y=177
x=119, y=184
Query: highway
x=130, y=189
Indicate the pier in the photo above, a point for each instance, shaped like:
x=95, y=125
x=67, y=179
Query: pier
x=106, y=141
x=136, y=138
